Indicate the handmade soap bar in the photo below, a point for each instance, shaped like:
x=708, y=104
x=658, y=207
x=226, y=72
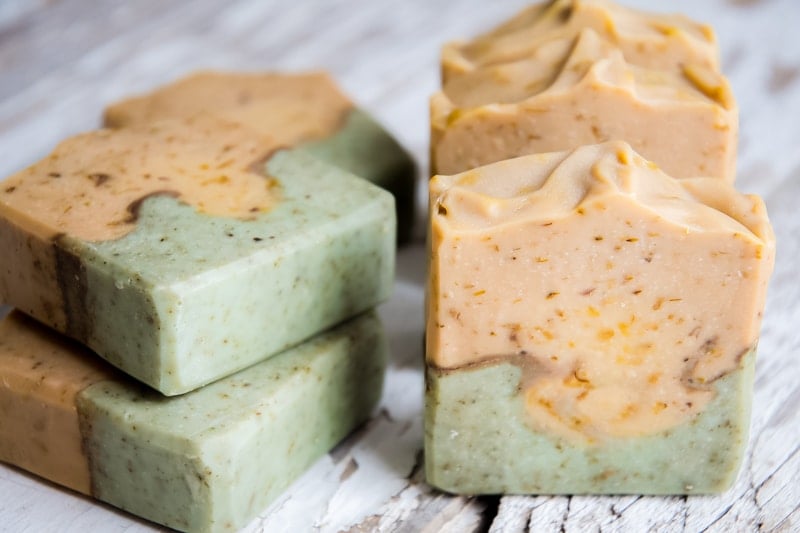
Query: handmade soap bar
x=185, y=250
x=656, y=41
x=307, y=111
x=591, y=326
x=209, y=460
x=586, y=93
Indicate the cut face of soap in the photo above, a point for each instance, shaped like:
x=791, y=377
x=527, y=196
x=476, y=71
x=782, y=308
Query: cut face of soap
x=209, y=460
x=655, y=41
x=609, y=310
x=306, y=111
x=478, y=441
x=583, y=92
x=179, y=255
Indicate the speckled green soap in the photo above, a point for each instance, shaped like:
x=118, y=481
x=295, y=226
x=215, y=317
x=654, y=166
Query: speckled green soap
x=222, y=262
x=211, y=460
x=206, y=461
x=478, y=441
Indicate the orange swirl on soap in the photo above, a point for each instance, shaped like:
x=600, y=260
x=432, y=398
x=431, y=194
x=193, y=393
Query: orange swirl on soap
x=92, y=185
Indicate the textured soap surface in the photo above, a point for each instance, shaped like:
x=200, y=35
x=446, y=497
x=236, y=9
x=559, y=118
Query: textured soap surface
x=582, y=91
x=559, y=294
x=306, y=111
x=183, y=251
x=657, y=41
x=477, y=441
x=209, y=460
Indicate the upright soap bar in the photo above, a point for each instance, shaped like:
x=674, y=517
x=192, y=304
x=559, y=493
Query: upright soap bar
x=185, y=250
x=307, y=111
x=584, y=93
x=655, y=41
x=591, y=326
x=209, y=460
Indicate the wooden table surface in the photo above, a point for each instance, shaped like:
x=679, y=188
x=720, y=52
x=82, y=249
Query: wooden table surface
x=62, y=60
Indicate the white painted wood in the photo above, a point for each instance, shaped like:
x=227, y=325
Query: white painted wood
x=62, y=60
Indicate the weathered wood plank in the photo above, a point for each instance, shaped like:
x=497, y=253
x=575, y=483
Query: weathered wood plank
x=60, y=61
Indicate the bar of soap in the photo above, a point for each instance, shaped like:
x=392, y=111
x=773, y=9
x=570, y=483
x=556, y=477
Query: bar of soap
x=584, y=93
x=185, y=250
x=656, y=41
x=307, y=111
x=591, y=326
x=210, y=460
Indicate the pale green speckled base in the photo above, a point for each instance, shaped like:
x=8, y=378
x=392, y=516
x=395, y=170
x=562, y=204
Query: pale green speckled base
x=213, y=459
x=477, y=441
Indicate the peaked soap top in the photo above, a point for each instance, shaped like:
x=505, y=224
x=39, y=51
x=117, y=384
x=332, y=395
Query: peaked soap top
x=289, y=107
x=92, y=185
x=551, y=186
x=586, y=59
x=658, y=41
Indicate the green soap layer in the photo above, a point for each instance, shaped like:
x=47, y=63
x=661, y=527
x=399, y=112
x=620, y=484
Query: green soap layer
x=364, y=148
x=477, y=441
x=213, y=459
x=186, y=299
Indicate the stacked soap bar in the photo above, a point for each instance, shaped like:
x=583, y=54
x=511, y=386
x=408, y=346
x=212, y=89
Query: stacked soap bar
x=592, y=325
x=305, y=111
x=184, y=250
x=206, y=257
x=567, y=74
x=591, y=318
x=209, y=460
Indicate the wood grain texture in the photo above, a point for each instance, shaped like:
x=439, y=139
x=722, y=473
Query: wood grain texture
x=62, y=60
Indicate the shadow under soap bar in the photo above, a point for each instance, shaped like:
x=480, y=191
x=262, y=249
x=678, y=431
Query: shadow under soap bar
x=185, y=250
x=209, y=460
x=591, y=326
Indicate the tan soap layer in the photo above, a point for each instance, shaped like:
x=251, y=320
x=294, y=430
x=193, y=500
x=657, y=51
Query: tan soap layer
x=582, y=91
x=657, y=41
x=288, y=108
x=92, y=185
x=38, y=389
x=625, y=290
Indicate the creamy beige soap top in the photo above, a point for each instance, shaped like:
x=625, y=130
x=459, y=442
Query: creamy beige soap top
x=583, y=90
x=655, y=41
